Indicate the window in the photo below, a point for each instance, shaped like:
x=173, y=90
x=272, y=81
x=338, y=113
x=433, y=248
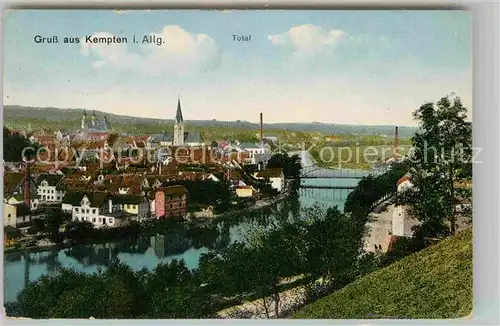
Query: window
x=9, y=215
x=58, y=198
x=100, y=220
x=93, y=211
x=110, y=220
x=103, y=220
x=77, y=209
x=93, y=220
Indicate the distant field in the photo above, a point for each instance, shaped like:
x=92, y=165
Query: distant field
x=353, y=156
x=433, y=283
x=55, y=118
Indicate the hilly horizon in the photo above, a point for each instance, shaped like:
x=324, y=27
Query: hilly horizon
x=15, y=113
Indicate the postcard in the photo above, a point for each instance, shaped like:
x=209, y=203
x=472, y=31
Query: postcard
x=242, y=164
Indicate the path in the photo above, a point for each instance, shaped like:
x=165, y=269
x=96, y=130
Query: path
x=379, y=227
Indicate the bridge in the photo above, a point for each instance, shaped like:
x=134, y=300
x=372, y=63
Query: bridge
x=310, y=170
x=319, y=194
x=326, y=187
x=314, y=172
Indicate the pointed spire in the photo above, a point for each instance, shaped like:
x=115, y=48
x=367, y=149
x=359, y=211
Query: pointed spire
x=178, y=115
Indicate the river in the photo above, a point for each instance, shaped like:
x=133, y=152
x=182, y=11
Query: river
x=149, y=251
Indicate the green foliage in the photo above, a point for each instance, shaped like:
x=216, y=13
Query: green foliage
x=207, y=192
x=334, y=243
x=170, y=291
x=12, y=232
x=79, y=232
x=370, y=189
x=433, y=283
x=441, y=166
x=291, y=165
x=13, y=145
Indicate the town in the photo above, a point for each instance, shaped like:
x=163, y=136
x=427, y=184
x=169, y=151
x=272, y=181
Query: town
x=98, y=176
x=226, y=164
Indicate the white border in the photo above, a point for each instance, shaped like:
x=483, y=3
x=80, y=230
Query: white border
x=486, y=135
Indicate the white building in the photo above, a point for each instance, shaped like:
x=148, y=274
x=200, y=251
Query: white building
x=47, y=189
x=402, y=223
x=275, y=177
x=404, y=183
x=252, y=150
x=96, y=208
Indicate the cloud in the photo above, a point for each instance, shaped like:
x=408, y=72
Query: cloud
x=308, y=38
x=180, y=53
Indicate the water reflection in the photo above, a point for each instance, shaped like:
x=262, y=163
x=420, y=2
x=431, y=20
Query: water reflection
x=148, y=251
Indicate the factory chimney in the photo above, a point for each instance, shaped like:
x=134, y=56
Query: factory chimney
x=261, y=130
x=396, y=146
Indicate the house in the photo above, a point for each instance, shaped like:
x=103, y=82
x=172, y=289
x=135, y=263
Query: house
x=404, y=183
x=212, y=177
x=130, y=184
x=97, y=208
x=47, y=189
x=275, y=177
x=402, y=222
x=261, y=160
x=86, y=206
x=171, y=201
x=70, y=198
x=244, y=191
x=253, y=149
x=9, y=215
x=16, y=214
x=127, y=203
x=14, y=189
x=144, y=209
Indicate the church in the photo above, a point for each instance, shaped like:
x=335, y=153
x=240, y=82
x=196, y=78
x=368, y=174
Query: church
x=179, y=137
x=94, y=124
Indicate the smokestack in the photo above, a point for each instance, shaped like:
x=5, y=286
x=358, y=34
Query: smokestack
x=396, y=154
x=261, y=130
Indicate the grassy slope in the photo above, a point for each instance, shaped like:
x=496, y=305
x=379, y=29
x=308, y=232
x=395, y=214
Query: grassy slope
x=433, y=283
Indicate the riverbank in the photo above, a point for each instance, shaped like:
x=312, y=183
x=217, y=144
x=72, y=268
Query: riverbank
x=150, y=226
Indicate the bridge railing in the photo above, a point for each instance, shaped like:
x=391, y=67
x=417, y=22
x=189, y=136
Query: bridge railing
x=381, y=200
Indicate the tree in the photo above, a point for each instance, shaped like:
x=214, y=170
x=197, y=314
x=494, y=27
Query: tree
x=53, y=219
x=13, y=145
x=334, y=243
x=440, y=166
x=174, y=292
x=78, y=231
x=291, y=165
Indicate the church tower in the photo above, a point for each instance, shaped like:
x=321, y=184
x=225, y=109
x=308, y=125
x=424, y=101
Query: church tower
x=179, y=126
x=84, y=120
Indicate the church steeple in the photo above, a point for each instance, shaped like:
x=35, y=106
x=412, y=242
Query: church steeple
x=178, y=115
x=84, y=120
x=179, y=126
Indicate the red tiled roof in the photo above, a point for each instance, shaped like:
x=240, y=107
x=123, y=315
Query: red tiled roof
x=403, y=179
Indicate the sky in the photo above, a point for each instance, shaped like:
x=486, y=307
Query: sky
x=346, y=67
